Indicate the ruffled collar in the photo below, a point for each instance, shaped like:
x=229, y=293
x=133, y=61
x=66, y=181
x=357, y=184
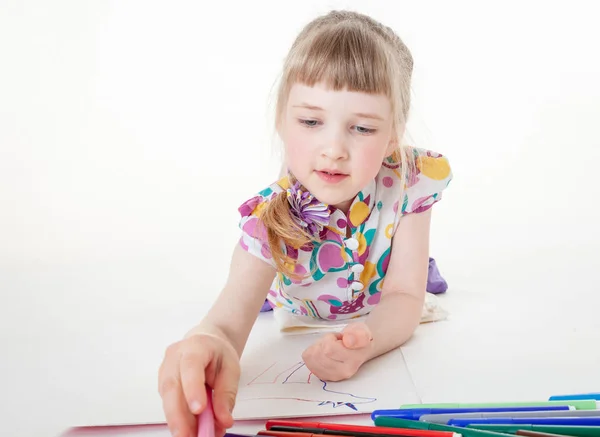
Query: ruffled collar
x=310, y=211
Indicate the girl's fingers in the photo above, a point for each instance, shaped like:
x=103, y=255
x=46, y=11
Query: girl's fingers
x=224, y=393
x=192, y=367
x=186, y=370
x=332, y=370
x=334, y=349
x=219, y=431
x=356, y=336
x=180, y=420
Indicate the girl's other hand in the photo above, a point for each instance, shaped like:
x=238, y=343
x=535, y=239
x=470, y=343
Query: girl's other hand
x=338, y=356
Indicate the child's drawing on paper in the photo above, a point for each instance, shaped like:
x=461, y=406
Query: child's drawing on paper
x=281, y=381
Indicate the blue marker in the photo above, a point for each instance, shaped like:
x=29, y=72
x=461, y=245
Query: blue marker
x=575, y=397
x=416, y=413
x=567, y=421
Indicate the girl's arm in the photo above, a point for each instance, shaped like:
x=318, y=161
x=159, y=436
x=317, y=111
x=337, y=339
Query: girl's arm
x=236, y=308
x=394, y=320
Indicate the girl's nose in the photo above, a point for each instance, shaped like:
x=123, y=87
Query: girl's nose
x=334, y=146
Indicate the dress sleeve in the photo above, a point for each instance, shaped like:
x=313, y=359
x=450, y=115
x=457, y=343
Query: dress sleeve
x=433, y=174
x=253, y=237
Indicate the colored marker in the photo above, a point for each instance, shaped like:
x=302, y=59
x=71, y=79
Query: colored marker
x=292, y=434
x=575, y=431
x=445, y=418
x=578, y=404
x=565, y=421
x=380, y=432
x=538, y=434
x=355, y=430
x=282, y=431
x=575, y=397
x=206, y=419
x=393, y=422
x=416, y=413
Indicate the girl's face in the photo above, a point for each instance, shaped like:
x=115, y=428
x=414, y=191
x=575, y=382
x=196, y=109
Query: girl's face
x=335, y=141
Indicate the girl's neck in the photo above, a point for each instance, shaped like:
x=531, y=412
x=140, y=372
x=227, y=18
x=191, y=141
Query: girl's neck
x=344, y=206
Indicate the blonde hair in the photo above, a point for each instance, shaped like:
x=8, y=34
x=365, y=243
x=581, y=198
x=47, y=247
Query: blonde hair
x=345, y=50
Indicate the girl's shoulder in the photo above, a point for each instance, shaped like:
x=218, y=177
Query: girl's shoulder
x=429, y=163
x=418, y=178
x=254, y=238
x=254, y=205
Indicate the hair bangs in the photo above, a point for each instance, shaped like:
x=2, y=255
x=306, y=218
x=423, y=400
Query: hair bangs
x=342, y=57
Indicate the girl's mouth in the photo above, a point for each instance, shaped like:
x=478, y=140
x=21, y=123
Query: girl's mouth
x=331, y=176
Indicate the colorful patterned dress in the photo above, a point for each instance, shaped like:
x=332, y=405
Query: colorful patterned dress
x=346, y=273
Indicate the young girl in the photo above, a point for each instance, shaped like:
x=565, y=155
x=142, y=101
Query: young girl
x=343, y=235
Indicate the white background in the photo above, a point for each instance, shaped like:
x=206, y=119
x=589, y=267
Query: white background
x=130, y=132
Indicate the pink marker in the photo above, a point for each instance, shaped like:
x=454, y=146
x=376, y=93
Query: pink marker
x=206, y=419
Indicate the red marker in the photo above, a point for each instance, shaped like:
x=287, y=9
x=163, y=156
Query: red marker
x=291, y=434
x=356, y=430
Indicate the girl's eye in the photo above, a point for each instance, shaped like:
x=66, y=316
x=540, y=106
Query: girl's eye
x=313, y=123
x=364, y=130
x=308, y=123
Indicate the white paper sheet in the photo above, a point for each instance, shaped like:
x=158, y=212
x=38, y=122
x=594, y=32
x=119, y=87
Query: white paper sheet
x=275, y=382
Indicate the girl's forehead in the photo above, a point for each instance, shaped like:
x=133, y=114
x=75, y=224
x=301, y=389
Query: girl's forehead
x=322, y=97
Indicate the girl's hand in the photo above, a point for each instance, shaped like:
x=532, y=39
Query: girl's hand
x=338, y=356
x=187, y=366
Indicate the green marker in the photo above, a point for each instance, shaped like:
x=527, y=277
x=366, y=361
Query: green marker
x=577, y=431
x=393, y=422
x=587, y=404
